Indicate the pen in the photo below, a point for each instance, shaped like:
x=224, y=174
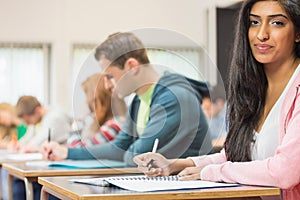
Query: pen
x=49, y=135
x=49, y=140
x=155, y=145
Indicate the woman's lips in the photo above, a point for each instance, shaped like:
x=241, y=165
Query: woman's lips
x=263, y=48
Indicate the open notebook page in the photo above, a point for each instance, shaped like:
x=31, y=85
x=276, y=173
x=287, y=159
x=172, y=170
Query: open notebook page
x=146, y=184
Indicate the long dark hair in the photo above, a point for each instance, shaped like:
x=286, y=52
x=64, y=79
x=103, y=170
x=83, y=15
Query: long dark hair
x=248, y=84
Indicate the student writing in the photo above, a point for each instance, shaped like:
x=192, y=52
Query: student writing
x=105, y=126
x=39, y=119
x=262, y=146
x=165, y=107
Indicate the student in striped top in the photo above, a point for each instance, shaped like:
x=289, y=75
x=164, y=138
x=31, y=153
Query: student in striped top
x=105, y=127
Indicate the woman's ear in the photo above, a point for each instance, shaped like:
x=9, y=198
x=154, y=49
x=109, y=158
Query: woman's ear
x=297, y=37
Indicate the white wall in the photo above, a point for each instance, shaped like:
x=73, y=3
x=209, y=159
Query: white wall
x=64, y=22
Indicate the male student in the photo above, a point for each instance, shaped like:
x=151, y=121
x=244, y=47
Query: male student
x=214, y=107
x=41, y=121
x=167, y=107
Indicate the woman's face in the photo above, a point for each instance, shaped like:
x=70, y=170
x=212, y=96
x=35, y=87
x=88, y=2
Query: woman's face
x=6, y=118
x=271, y=33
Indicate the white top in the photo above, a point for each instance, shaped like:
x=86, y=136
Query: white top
x=267, y=141
x=55, y=119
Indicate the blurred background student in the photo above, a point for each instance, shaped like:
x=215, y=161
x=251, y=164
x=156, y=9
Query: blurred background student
x=12, y=128
x=105, y=126
x=40, y=120
x=214, y=107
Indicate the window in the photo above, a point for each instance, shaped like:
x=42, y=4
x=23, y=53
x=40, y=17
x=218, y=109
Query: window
x=24, y=70
x=181, y=61
x=185, y=61
x=83, y=65
x=80, y=58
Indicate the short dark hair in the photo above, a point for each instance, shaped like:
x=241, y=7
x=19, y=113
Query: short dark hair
x=26, y=105
x=217, y=92
x=118, y=47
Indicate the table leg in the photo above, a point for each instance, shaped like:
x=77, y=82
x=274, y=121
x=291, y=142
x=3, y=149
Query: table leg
x=28, y=189
x=1, y=186
x=44, y=194
x=10, y=183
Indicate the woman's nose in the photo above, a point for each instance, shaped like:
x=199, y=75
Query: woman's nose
x=263, y=33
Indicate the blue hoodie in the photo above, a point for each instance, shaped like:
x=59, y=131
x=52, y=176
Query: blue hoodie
x=175, y=118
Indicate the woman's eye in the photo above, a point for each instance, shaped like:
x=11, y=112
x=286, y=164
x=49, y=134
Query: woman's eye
x=279, y=23
x=253, y=22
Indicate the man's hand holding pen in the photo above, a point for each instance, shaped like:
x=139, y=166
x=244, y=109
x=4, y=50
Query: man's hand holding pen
x=53, y=151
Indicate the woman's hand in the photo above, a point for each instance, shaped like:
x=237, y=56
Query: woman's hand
x=13, y=146
x=190, y=173
x=153, y=164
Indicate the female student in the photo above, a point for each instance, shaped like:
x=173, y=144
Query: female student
x=105, y=126
x=262, y=146
x=11, y=127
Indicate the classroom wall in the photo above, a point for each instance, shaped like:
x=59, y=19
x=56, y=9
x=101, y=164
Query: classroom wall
x=65, y=22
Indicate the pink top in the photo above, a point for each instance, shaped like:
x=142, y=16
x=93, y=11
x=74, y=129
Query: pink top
x=281, y=170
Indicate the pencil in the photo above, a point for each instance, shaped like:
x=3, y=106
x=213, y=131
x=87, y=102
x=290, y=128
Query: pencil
x=14, y=138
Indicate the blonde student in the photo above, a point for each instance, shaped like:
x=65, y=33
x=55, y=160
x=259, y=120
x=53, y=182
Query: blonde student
x=12, y=128
x=262, y=146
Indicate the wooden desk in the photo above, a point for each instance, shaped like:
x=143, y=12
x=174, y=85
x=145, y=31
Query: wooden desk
x=7, y=156
x=62, y=188
x=31, y=173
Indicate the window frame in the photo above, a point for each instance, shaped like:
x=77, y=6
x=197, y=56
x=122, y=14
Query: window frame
x=46, y=51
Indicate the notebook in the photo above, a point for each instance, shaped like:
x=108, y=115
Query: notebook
x=141, y=183
x=80, y=164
